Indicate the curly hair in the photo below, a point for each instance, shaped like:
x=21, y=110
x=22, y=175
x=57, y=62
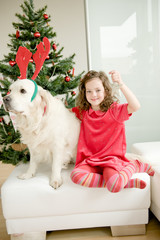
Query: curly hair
x=110, y=97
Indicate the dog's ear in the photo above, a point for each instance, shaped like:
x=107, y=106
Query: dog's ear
x=45, y=96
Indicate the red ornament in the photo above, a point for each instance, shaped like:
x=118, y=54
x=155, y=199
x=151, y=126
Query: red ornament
x=1, y=119
x=17, y=34
x=73, y=93
x=54, y=46
x=67, y=79
x=47, y=57
x=31, y=60
x=12, y=63
x=73, y=72
x=37, y=34
x=45, y=16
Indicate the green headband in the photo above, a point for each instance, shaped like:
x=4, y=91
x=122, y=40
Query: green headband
x=35, y=90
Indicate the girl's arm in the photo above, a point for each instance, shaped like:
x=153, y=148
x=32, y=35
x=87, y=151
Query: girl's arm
x=133, y=103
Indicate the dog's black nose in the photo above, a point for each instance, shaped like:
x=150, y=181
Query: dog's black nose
x=6, y=99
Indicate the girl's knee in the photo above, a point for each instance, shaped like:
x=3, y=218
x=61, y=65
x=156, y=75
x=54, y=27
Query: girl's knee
x=115, y=183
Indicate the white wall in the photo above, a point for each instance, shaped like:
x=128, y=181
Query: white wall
x=67, y=20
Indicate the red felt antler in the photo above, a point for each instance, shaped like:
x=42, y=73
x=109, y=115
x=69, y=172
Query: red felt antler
x=40, y=55
x=24, y=55
x=22, y=59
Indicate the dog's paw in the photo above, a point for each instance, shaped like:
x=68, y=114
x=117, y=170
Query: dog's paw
x=65, y=165
x=25, y=176
x=55, y=182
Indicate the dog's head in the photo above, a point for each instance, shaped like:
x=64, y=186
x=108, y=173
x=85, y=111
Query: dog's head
x=23, y=92
x=23, y=96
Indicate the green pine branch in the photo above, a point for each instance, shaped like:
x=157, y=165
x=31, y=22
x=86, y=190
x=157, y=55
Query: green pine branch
x=52, y=76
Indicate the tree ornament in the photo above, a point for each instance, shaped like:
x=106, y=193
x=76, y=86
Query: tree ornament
x=1, y=119
x=47, y=57
x=12, y=63
x=73, y=72
x=17, y=34
x=67, y=79
x=37, y=34
x=54, y=46
x=31, y=60
x=45, y=16
x=73, y=93
x=19, y=147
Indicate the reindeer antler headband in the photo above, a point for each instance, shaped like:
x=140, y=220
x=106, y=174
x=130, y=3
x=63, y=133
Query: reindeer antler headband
x=24, y=55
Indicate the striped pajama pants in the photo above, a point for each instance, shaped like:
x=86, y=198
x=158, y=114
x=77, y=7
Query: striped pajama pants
x=110, y=178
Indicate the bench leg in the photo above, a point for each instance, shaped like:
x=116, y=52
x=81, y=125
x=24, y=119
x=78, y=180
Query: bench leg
x=29, y=236
x=128, y=230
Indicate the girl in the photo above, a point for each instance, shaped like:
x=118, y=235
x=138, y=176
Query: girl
x=101, y=160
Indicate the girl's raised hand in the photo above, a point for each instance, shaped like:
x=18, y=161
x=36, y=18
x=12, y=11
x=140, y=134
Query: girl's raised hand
x=116, y=77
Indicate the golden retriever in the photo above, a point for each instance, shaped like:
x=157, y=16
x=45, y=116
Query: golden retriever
x=50, y=130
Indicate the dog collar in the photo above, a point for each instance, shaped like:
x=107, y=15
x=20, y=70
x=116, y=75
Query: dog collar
x=44, y=110
x=35, y=90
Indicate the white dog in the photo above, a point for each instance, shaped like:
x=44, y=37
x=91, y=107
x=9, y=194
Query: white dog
x=50, y=130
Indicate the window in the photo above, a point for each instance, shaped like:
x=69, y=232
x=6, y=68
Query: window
x=125, y=35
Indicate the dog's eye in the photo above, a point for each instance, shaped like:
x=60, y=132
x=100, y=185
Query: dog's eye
x=23, y=91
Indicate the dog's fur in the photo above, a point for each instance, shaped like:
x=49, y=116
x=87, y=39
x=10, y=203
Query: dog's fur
x=49, y=129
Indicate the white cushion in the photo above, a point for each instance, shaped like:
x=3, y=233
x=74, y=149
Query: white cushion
x=149, y=150
x=36, y=198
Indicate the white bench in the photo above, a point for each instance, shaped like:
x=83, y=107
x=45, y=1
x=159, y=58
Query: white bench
x=31, y=207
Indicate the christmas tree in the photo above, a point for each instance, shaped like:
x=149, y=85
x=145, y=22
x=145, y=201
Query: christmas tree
x=56, y=75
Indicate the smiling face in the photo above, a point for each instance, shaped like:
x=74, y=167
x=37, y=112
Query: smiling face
x=19, y=98
x=95, y=93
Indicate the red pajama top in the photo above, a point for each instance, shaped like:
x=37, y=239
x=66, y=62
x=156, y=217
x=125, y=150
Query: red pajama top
x=102, y=140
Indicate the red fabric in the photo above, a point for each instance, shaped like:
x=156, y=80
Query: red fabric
x=40, y=55
x=22, y=59
x=102, y=140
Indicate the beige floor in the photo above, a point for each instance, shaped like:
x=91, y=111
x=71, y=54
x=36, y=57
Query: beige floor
x=153, y=228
